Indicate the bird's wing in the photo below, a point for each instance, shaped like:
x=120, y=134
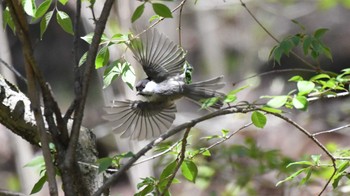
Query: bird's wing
x=140, y=120
x=160, y=58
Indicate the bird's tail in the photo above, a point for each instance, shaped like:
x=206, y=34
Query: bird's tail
x=198, y=91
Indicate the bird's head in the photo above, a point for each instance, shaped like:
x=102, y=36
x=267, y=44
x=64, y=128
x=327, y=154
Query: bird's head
x=141, y=85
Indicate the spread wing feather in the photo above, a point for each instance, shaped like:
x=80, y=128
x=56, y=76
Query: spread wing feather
x=140, y=120
x=160, y=58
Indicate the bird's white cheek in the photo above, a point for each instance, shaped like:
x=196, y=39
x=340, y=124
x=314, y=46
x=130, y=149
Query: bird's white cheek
x=150, y=87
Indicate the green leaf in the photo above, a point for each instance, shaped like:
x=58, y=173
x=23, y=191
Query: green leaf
x=258, y=119
x=42, y=9
x=63, y=2
x=225, y=132
x=295, y=79
x=206, y=103
x=88, y=37
x=36, y=161
x=307, y=177
x=111, y=73
x=320, y=76
x=145, y=191
x=39, y=185
x=230, y=98
x=300, y=163
x=44, y=23
x=206, y=153
x=7, y=20
x=154, y=17
x=340, y=173
x=162, y=10
x=305, y=87
x=64, y=21
x=286, y=46
x=102, y=57
x=307, y=44
x=316, y=158
x=320, y=32
x=189, y=170
x=29, y=7
x=128, y=75
x=277, y=52
x=166, y=173
x=138, y=12
x=104, y=163
x=277, y=101
x=271, y=110
x=292, y=176
x=83, y=59
x=300, y=103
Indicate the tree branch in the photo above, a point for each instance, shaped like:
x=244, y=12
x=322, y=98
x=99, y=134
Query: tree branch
x=82, y=86
x=224, y=111
x=21, y=25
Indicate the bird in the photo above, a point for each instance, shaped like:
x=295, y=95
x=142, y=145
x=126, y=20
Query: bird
x=168, y=79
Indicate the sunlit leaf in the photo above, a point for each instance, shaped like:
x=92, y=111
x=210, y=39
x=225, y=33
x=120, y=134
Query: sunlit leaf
x=29, y=7
x=102, y=57
x=42, y=9
x=258, y=119
x=64, y=21
x=305, y=87
x=300, y=163
x=271, y=110
x=277, y=101
x=45, y=22
x=295, y=79
x=206, y=103
x=300, y=102
x=189, y=170
x=63, y=2
x=83, y=59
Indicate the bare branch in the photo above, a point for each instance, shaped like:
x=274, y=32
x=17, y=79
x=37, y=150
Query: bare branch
x=19, y=75
x=331, y=130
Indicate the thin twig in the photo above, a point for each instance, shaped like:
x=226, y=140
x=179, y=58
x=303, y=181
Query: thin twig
x=330, y=96
x=179, y=161
x=158, y=155
x=331, y=130
x=160, y=19
x=315, y=140
x=180, y=21
x=223, y=139
x=19, y=75
x=274, y=38
x=273, y=72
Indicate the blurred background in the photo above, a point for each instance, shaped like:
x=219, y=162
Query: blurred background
x=221, y=38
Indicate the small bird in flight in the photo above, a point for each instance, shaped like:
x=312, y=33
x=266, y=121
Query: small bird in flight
x=167, y=80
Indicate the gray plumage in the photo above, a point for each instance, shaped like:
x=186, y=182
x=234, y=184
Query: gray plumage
x=163, y=61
